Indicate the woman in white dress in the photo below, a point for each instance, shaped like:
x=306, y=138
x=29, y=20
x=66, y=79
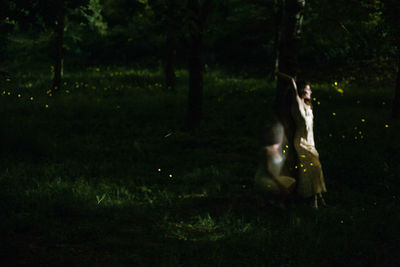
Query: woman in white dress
x=311, y=179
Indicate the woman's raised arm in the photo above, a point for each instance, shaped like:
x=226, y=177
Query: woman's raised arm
x=284, y=75
x=295, y=92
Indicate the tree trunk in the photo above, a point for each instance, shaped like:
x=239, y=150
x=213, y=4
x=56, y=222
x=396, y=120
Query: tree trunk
x=58, y=68
x=396, y=102
x=170, y=77
x=288, y=61
x=199, y=14
x=278, y=14
x=195, y=96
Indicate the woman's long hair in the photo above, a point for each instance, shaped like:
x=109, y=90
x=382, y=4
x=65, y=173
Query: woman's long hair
x=301, y=86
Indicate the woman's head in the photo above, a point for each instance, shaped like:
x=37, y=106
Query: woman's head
x=304, y=91
x=273, y=133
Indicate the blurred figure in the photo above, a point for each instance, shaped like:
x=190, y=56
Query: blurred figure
x=272, y=187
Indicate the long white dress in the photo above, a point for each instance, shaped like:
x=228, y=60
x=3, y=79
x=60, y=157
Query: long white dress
x=311, y=178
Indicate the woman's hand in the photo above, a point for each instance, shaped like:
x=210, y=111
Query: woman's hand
x=284, y=75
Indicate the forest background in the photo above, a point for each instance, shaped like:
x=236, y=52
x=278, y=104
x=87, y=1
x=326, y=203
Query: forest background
x=131, y=131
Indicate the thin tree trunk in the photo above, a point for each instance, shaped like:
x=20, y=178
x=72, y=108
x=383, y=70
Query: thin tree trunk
x=195, y=96
x=170, y=77
x=195, y=58
x=288, y=63
x=396, y=102
x=278, y=14
x=58, y=68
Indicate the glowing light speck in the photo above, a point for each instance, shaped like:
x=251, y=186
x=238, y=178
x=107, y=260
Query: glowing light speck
x=387, y=125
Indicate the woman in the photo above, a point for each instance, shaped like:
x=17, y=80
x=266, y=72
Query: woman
x=271, y=186
x=311, y=179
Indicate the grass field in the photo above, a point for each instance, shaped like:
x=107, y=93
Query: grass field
x=100, y=174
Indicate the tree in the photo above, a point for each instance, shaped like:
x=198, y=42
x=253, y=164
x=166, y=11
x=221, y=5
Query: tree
x=289, y=51
x=6, y=21
x=59, y=21
x=168, y=18
x=197, y=12
x=50, y=14
x=278, y=13
x=396, y=102
x=391, y=14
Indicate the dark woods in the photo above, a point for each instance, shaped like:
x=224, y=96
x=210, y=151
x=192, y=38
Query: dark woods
x=319, y=39
x=130, y=132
